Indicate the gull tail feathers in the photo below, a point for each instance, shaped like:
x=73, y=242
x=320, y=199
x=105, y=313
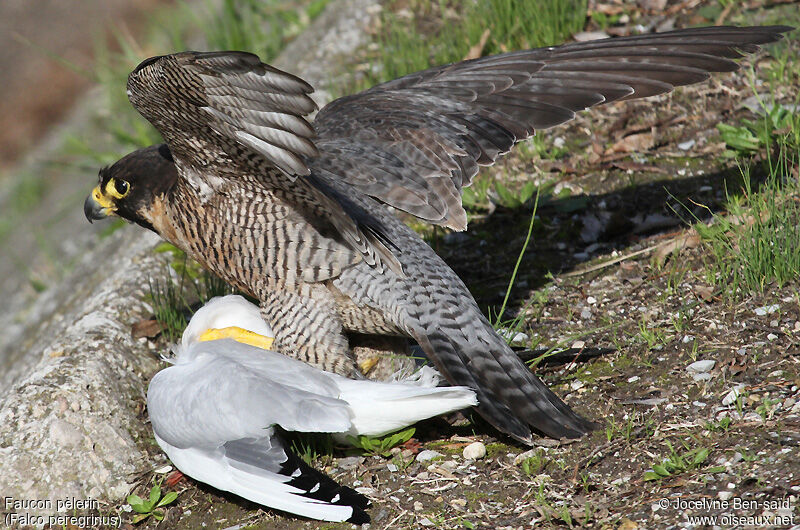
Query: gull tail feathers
x=380, y=408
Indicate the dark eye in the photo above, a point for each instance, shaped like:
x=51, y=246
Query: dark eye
x=121, y=187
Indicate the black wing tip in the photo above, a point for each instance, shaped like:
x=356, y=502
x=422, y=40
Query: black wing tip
x=359, y=517
x=318, y=486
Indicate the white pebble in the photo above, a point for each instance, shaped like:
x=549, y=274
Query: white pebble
x=731, y=397
x=725, y=495
x=700, y=367
x=767, y=309
x=475, y=451
x=427, y=454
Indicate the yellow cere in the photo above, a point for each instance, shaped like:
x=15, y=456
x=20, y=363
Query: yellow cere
x=103, y=200
x=238, y=334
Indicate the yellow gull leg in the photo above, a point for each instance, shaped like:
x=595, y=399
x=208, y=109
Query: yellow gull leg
x=238, y=334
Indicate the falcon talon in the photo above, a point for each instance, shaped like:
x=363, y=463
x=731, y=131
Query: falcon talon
x=295, y=214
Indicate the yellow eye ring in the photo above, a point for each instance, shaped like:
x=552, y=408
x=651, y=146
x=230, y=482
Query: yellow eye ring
x=118, y=188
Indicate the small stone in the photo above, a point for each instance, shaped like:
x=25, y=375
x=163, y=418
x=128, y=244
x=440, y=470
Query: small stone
x=633, y=379
x=700, y=367
x=731, y=397
x=685, y=146
x=449, y=465
x=425, y=522
x=364, y=490
x=698, y=404
x=427, y=455
x=578, y=344
x=162, y=470
x=524, y=456
x=772, y=336
x=586, y=313
x=350, y=462
x=687, y=339
x=475, y=451
x=576, y=384
x=725, y=495
x=458, y=504
x=591, y=300
x=513, y=336
x=391, y=467
x=766, y=310
x=418, y=506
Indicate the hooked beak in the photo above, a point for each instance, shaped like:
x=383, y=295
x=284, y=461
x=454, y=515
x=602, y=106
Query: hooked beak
x=97, y=206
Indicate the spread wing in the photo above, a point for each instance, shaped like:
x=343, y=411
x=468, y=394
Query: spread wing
x=228, y=117
x=415, y=142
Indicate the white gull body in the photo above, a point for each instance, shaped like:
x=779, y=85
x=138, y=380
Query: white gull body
x=214, y=410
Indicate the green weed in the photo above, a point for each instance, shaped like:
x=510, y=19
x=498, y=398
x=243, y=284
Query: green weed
x=310, y=446
x=382, y=445
x=149, y=507
x=535, y=464
x=677, y=463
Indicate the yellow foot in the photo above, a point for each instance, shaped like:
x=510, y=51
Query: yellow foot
x=368, y=364
x=238, y=334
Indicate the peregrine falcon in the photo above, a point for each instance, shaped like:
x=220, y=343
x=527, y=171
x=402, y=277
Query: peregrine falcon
x=214, y=412
x=294, y=214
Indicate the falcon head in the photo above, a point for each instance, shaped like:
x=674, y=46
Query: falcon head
x=133, y=187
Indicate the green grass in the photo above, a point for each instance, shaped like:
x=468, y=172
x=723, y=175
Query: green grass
x=756, y=245
x=174, y=300
x=440, y=32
